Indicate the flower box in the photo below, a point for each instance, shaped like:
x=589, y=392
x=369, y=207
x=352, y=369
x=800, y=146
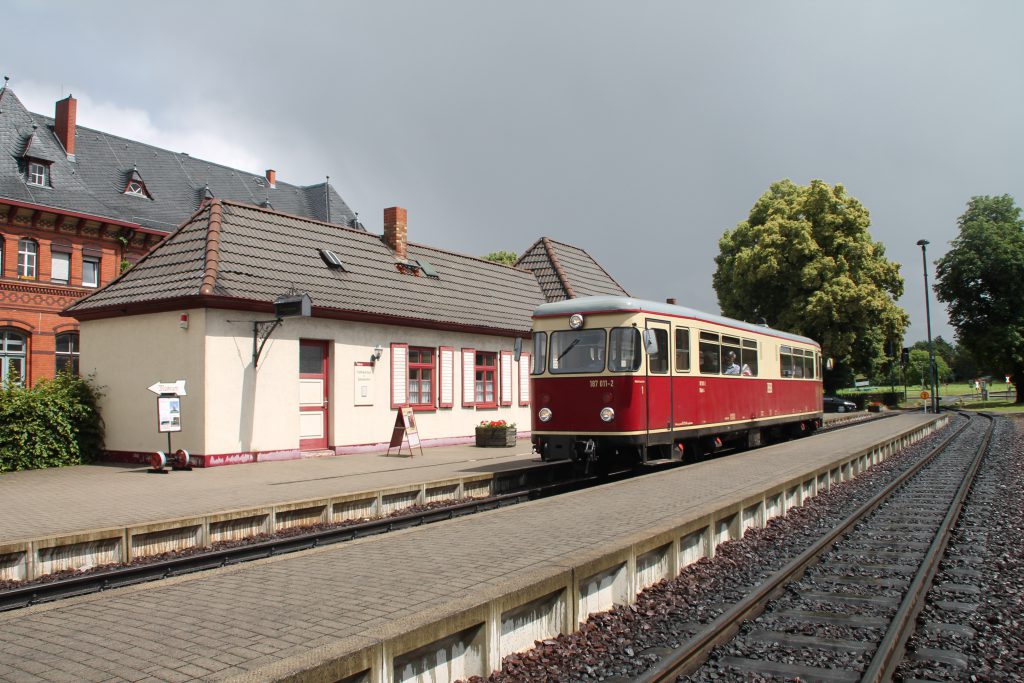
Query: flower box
x=497, y=434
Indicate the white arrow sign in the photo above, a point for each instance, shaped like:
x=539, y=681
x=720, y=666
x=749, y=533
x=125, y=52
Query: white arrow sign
x=176, y=388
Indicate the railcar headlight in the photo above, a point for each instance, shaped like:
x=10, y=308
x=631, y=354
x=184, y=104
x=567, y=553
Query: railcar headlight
x=607, y=414
x=576, y=321
x=544, y=414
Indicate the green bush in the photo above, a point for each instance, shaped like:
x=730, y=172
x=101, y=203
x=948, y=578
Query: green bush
x=52, y=424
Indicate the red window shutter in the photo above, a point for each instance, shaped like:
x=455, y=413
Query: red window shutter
x=524, y=379
x=468, y=377
x=505, y=378
x=399, y=375
x=446, y=377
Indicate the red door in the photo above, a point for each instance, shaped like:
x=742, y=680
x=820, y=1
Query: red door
x=659, y=381
x=312, y=394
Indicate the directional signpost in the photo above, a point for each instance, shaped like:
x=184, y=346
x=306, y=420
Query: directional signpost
x=168, y=411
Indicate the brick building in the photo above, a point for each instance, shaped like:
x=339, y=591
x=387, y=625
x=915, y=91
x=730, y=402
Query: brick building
x=78, y=206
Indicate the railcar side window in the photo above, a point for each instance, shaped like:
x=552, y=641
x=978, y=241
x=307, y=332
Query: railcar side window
x=658, y=362
x=808, y=364
x=786, y=360
x=682, y=349
x=540, y=352
x=709, y=353
x=748, y=358
x=577, y=351
x=624, y=349
x=730, y=355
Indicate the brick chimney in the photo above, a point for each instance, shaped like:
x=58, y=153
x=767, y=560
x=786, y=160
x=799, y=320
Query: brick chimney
x=671, y=300
x=272, y=178
x=64, y=125
x=395, y=233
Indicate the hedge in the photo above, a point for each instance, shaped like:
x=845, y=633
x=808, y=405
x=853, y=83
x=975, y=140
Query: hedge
x=52, y=424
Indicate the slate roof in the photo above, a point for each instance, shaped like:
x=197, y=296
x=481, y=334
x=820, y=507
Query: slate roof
x=95, y=181
x=567, y=272
x=232, y=254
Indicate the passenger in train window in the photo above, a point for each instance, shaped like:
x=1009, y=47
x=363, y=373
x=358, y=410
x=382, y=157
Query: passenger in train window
x=731, y=366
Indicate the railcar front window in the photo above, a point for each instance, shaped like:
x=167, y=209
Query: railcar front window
x=577, y=351
x=540, y=352
x=624, y=350
x=709, y=353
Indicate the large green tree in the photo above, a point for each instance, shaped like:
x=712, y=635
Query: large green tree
x=981, y=281
x=804, y=262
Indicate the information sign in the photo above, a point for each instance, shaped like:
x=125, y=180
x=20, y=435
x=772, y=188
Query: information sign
x=168, y=409
x=405, y=431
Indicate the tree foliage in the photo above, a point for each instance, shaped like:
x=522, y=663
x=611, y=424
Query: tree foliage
x=917, y=369
x=509, y=258
x=981, y=281
x=804, y=262
x=51, y=424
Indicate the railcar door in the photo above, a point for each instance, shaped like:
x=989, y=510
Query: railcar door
x=659, y=385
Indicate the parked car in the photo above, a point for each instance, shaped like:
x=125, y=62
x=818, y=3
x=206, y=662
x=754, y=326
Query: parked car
x=834, y=404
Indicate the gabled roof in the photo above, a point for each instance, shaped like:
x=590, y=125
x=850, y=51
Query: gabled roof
x=232, y=255
x=567, y=272
x=94, y=182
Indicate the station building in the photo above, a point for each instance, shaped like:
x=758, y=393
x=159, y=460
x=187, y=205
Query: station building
x=391, y=324
x=78, y=206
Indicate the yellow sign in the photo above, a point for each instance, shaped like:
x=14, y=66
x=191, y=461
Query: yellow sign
x=925, y=394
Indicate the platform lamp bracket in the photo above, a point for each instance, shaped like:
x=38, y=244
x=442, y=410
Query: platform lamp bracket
x=291, y=305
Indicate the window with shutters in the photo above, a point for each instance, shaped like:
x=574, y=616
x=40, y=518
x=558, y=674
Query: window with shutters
x=421, y=377
x=485, y=374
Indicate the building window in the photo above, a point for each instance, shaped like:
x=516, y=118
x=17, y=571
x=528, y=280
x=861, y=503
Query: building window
x=90, y=271
x=13, y=346
x=38, y=174
x=67, y=352
x=485, y=370
x=421, y=377
x=28, y=256
x=137, y=188
x=60, y=267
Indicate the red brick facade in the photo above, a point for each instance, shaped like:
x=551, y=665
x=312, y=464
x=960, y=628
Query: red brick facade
x=30, y=305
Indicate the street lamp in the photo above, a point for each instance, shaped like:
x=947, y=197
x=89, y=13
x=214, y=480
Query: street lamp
x=932, y=379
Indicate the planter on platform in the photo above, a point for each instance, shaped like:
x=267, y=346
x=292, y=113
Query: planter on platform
x=495, y=437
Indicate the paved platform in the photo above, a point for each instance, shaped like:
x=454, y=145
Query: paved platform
x=425, y=603
x=67, y=500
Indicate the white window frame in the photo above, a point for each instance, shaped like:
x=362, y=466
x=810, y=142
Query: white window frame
x=28, y=258
x=7, y=356
x=64, y=267
x=95, y=282
x=38, y=174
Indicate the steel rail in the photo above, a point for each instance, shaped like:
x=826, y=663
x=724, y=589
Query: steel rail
x=694, y=652
x=893, y=644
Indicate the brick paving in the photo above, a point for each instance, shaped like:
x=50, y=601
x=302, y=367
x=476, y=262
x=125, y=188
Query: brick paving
x=71, y=499
x=235, y=620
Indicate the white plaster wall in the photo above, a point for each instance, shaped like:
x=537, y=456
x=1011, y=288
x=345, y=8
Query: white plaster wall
x=257, y=410
x=131, y=353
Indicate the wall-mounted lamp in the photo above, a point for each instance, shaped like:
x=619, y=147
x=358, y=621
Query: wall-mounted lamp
x=183, y=321
x=377, y=351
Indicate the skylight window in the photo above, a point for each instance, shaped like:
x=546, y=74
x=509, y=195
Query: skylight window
x=332, y=260
x=38, y=173
x=427, y=269
x=136, y=188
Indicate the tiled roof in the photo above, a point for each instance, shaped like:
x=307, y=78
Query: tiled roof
x=95, y=181
x=235, y=251
x=567, y=272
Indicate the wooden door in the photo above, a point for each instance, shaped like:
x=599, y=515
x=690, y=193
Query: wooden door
x=312, y=394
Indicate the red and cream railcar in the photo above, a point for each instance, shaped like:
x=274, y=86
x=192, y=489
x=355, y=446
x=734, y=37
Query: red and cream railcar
x=617, y=380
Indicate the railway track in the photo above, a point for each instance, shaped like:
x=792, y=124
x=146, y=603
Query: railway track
x=50, y=589
x=864, y=583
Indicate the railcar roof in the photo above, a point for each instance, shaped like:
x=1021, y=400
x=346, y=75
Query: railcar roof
x=607, y=304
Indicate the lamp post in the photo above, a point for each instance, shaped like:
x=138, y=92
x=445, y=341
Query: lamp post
x=933, y=381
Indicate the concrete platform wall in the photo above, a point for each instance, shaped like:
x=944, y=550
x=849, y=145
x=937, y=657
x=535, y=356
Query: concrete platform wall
x=472, y=637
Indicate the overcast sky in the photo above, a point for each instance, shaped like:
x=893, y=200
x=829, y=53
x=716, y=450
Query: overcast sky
x=639, y=131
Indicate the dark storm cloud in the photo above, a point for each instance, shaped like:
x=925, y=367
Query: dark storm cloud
x=639, y=131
